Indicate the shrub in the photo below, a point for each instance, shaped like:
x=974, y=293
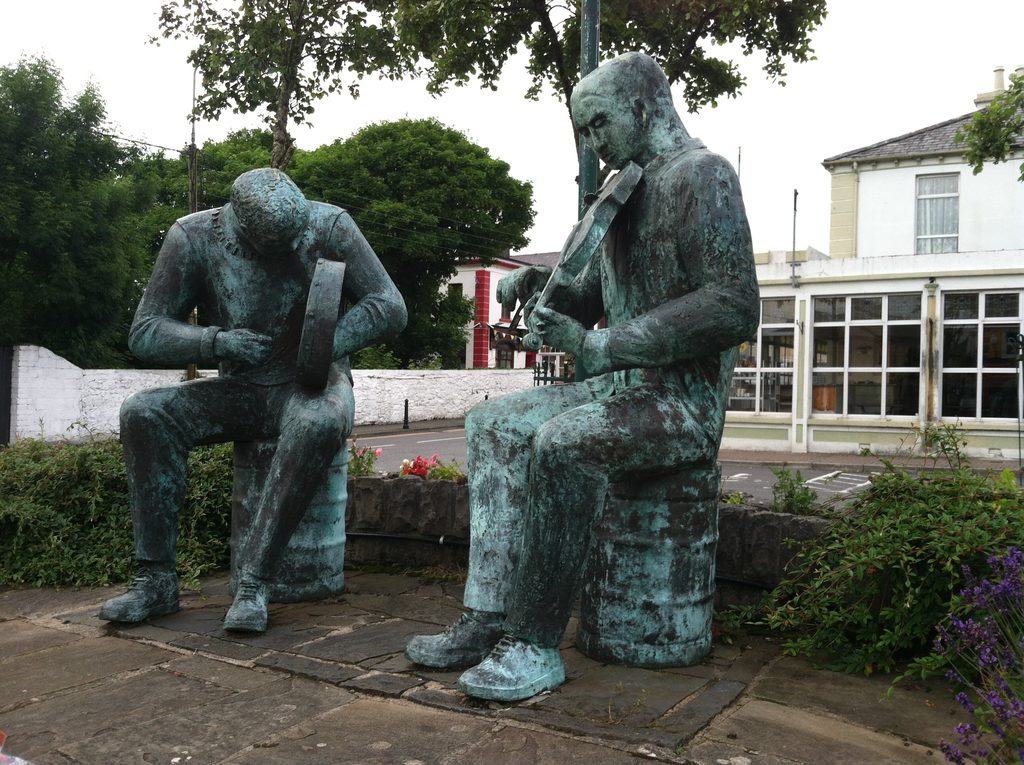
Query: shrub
x=64, y=515
x=872, y=588
x=790, y=495
x=983, y=641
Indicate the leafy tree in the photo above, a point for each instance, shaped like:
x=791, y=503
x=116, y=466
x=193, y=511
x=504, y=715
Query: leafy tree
x=426, y=198
x=998, y=129
x=465, y=38
x=71, y=256
x=281, y=55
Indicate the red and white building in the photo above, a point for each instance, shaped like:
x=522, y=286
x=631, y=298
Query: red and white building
x=491, y=341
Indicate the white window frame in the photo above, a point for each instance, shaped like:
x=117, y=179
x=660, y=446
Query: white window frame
x=978, y=369
x=883, y=370
x=920, y=237
x=758, y=371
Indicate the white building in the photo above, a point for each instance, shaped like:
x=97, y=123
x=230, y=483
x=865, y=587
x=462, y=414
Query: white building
x=912, y=321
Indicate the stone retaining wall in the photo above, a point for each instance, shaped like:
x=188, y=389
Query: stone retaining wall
x=409, y=521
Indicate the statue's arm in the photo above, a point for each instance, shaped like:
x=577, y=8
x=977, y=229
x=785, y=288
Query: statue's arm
x=712, y=243
x=160, y=332
x=582, y=300
x=377, y=308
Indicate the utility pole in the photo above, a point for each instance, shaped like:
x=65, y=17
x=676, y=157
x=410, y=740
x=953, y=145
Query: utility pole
x=590, y=49
x=191, y=373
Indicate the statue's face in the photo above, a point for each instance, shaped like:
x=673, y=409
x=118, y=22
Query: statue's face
x=610, y=127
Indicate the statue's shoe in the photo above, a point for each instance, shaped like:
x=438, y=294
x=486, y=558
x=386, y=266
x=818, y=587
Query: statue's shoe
x=248, y=612
x=463, y=644
x=515, y=670
x=151, y=593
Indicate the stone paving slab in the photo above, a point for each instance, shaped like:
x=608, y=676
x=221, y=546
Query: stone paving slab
x=18, y=638
x=212, y=732
x=273, y=698
x=69, y=666
x=315, y=669
x=799, y=736
x=356, y=734
x=364, y=643
x=921, y=711
x=522, y=746
x=37, y=730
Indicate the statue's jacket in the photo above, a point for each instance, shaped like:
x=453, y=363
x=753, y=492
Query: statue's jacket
x=676, y=283
x=202, y=264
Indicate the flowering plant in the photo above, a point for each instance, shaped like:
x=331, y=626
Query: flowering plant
x=985, y=646
x=362, y=461
x=433, y=468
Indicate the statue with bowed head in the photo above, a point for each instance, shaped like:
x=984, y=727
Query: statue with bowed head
x=267, y=272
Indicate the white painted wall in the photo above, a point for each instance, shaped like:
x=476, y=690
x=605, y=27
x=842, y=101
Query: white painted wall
x=991, y=208
x=52, y=398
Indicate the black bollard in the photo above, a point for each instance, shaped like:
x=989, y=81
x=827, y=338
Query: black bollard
x=405, y=422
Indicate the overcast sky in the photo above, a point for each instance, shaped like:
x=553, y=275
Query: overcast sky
x=883, y=68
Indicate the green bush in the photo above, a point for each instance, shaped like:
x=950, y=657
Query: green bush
x=790, y=495
x=64, y=517
x=871, y=590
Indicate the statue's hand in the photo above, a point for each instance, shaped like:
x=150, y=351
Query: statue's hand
x=560, y=331
x=241, y=345
x=521, y=285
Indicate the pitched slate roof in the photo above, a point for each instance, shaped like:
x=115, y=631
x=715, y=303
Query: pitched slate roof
x=929, y=141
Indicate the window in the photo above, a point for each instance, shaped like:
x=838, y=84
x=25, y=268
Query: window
x=504, y=356
x=866, y=355
x=979, y=354
x=763, y=381
x=938, y=213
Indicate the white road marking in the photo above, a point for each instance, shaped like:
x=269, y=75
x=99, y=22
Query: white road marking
x=737, y=477
x=435, y=440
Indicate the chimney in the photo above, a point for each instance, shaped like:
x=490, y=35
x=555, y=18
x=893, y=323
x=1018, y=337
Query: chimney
x=983, y=99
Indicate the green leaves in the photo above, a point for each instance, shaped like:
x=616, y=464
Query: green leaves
x=426, y=198
x=872, y=589
x=463, y=39
x=996, y=130
x=281, y=56
x=65, y=521
x=70, y=256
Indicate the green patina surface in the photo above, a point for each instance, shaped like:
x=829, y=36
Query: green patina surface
x=675, y=282
x=247, y=268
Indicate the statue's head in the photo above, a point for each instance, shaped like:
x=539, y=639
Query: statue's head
x=270, y=213
x=624, y=110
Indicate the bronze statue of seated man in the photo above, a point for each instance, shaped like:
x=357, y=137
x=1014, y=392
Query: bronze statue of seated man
x=675, y=281
x=247, y=267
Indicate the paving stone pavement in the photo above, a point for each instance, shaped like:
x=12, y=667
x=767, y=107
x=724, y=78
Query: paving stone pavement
x=328, y=683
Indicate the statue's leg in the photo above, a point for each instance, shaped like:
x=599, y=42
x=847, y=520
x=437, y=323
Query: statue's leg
x=499, y=436
x=574, y=454
x=313, y=426
x=158, y=427
x=499, y=444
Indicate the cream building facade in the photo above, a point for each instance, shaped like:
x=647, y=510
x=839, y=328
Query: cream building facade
x=913, y=319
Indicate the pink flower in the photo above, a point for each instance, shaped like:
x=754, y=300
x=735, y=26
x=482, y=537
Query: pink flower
x=377, y=452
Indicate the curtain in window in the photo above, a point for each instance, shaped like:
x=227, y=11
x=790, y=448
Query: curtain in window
x=938, y=213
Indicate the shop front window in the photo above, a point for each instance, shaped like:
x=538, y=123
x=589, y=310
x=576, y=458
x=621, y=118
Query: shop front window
x=763, y=381
x=980, y=355
x=866, y=355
